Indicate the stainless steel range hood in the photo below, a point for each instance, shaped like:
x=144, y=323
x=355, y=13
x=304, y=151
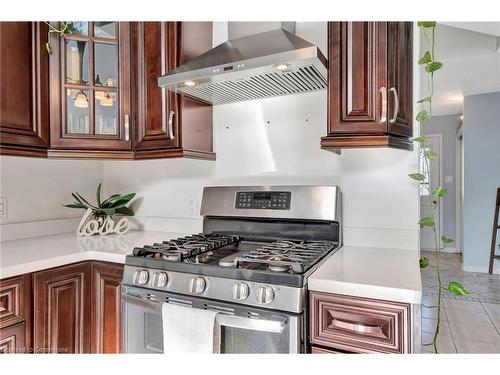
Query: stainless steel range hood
x=263, y=65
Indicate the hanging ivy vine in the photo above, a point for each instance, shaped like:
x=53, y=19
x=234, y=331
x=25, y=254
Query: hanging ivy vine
x=430, y=65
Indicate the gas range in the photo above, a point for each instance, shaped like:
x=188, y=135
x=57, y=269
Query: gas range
x=250, y=266
x=258, y=246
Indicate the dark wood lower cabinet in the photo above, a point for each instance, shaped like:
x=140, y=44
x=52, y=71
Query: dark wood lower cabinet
x=77, y=308
x=359, y=325
x=106, y=307
x=12, y=339
x=62, y=309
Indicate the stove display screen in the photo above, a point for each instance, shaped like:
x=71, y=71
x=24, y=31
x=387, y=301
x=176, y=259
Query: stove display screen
x=266, y=196
x=271, y=200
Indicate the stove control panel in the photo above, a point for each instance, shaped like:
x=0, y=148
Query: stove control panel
x=270, y=200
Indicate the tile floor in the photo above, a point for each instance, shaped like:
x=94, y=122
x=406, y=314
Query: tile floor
x=469, y=324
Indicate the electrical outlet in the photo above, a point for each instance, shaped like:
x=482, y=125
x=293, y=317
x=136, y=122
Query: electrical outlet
x=193, y=206
x=3, y=207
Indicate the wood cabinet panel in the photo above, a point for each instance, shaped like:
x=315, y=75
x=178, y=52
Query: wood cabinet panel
x=106, y=307
x=370, y=77
x=12, y=339
x=61, y=137
x=359, y=325
x=169, y=124
x=24, y=87
x=62, y=309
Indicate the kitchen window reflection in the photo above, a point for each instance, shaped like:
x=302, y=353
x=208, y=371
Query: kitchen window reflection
x=77, y=111
x=106, y=121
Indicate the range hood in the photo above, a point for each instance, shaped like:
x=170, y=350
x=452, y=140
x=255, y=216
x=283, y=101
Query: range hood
x=272, y=63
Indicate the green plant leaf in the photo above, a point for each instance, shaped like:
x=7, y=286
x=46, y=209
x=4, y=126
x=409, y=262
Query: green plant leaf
x=457, y=289
x=84, y=200
x=424, y=262
x=423, y=100
x=433, y=66
x=73, y=205
x=125, y=211
x=430, y=155
x=446, y=240
x=425, y=59
x=420, y=140
x=109, y=199
x=426, y=222
x=121, y=200
x=78, y=200
x=417, y=176
x=98, y=195
x=422, y=116
x=440, y=191
x=426, y=24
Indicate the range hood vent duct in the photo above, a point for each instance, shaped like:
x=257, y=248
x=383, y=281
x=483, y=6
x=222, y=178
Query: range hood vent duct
x=273, y=63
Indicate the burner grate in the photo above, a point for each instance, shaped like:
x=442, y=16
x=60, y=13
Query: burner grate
x=181, y=248
x=293, y=256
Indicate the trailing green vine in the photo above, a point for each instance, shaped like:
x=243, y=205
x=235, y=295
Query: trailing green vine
x=66, y=27
x=435, y=195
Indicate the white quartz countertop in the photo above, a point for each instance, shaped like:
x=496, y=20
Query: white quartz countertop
x=378, y=273
x=33, y=254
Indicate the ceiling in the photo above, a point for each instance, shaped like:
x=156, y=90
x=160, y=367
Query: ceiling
x=470, y=53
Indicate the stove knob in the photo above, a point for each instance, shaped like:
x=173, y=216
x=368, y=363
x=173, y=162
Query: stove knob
x=197, y=285
x=265, y=294
x=141, y=277
x=240, y=291
x=160, y=279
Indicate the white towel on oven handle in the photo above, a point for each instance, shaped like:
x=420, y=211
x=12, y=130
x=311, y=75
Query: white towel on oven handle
x=189, y=330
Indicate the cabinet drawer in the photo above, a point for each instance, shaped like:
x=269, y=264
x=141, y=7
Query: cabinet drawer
x=359, y=325
x=13, y=296
x=12, y=339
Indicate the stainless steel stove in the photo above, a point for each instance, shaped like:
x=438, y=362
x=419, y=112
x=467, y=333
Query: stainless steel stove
x=259, y=244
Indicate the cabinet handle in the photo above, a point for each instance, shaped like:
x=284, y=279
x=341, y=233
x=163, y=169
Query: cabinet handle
x=171, y=125
x=127, y=128
x=396, y=105
x=383, y=116
x=371, y=330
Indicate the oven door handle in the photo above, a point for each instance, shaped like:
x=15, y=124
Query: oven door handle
x=261, y=325
x=142, y=302
x=232, y=321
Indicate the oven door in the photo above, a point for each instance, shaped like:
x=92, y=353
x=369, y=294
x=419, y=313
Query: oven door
x=247, y=331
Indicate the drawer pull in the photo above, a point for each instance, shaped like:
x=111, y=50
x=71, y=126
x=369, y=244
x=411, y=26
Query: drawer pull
x=370, y=330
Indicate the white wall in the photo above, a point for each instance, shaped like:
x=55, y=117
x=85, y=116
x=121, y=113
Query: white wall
x=380, y=201
x=35, y=189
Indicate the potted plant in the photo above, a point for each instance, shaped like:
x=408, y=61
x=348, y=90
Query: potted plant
x=98, y=218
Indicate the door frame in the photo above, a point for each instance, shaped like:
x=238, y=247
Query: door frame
x=440, y=182
x=459, y=169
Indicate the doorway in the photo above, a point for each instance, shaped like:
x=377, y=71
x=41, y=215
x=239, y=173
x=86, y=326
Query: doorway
x=433, y=179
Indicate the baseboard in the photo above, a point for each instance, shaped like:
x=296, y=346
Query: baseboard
x=479, y=269
x=382, y=237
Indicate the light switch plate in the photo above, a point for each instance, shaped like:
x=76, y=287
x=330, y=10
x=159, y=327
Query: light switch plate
x=3, y=207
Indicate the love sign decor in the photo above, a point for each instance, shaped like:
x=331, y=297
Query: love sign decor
x=106, y=226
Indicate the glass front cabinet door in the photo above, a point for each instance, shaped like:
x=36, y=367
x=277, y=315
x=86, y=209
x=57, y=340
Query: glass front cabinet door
x=90, y=88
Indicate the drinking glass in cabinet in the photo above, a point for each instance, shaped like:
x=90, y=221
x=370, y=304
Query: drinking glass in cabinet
x=105, y=29
x=77, y=111
x=106, y=121
x=105, y=64
x=76, y=62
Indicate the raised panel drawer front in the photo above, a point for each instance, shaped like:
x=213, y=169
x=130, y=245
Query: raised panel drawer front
x=359, y=325
x=12, y=300
x=12, y=339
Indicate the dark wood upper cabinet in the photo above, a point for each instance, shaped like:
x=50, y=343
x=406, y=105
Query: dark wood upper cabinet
x=370, y=85
x=168, y=124
x=24, y=87
x=62, y=309
x=106, y=307
x=90, y=114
